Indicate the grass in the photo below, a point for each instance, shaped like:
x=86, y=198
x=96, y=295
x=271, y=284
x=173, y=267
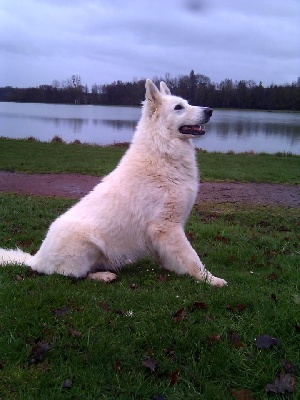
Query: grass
x=94, y=337
x=67, y=339
x=268, y=168
x=38, y=157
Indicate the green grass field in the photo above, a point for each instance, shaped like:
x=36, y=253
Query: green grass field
x=153, y=334
x=198, y=342
x=39, y=157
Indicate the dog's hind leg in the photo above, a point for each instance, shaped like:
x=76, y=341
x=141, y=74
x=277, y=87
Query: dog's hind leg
x=104, y=276
x=176, y=254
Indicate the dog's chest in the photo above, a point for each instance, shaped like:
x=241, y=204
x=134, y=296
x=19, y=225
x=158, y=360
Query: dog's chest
x=182, y=189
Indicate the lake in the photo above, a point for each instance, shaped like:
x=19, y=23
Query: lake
x=239, y=131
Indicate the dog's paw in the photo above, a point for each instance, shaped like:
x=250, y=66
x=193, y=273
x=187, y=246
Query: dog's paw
x=102, y=276
x=218, y=282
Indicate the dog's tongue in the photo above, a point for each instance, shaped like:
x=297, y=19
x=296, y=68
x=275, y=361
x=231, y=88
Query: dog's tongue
x=192, y=130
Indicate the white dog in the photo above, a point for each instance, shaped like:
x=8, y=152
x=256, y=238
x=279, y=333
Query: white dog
x=139, y=209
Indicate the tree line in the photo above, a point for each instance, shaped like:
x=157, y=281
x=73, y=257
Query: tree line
x=196, y=88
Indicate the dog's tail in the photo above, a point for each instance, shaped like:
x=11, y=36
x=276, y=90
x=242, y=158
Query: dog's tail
x=14, y=257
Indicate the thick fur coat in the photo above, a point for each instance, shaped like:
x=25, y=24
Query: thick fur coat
x=139, y=209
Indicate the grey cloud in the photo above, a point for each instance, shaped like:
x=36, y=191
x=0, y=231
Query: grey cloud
x=110, y=40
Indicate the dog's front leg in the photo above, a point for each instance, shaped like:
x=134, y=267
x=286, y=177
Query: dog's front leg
x=175, y=253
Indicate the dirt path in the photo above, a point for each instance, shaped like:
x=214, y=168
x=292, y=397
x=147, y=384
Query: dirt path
x=75, y=186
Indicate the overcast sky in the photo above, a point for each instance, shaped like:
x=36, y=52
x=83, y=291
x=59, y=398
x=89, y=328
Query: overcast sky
x=108, y=40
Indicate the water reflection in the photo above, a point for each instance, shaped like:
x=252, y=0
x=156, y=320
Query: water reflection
x=228, y=129
x=76, y=125
x=116, y=124
x=224, y=129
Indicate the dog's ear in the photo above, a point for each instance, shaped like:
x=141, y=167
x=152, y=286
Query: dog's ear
x=164, y=88
x=153, y=96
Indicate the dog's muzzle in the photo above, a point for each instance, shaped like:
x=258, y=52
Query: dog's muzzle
x=197, y=130
x=194, y=130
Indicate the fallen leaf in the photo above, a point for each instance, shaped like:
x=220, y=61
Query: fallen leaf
x=67, y=384
x=288, y=367
x=170, y=353
x=120, y=312
x=38, y=351
x=174, y=378
x=283, y=229
x=43, y=367
x=180, y=315
x=159, y=397
x=237, y=308
x=265, y=342
x=235, y=340
x=283, y=383
x=149, y=363
x=274, y=298
x=263, y=224
x=118, y=366
x=198, y=305
x=209, y=217
x=77, y=308
x=215, y=338
x=31, y=273
x=252, y=259
x=272, y=276
x=162, y=278
x=191, y=236
x=271, y=253
x=74, y=333
x=242, y=394
x=104, y=306
x=221, y=239
x=133, y=286
x=60, y=311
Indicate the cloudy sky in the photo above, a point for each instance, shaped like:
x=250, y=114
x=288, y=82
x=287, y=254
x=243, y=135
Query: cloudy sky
x=107, y=40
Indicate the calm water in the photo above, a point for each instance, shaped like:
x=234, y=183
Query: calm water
x=240, y=131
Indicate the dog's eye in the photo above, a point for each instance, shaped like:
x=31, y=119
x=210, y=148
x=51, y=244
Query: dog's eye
x=178, y=107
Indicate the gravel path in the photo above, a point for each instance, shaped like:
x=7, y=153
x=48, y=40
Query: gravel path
x=76, y=185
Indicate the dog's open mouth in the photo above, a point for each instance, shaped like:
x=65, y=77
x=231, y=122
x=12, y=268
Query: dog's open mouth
x=192, y=130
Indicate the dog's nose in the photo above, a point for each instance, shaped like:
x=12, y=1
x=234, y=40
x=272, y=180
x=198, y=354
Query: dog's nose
x=208, y=112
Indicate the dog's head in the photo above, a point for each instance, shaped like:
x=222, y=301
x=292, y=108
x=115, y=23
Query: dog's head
x=173, y=113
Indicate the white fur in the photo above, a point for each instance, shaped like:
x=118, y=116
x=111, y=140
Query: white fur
x=139, y=209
